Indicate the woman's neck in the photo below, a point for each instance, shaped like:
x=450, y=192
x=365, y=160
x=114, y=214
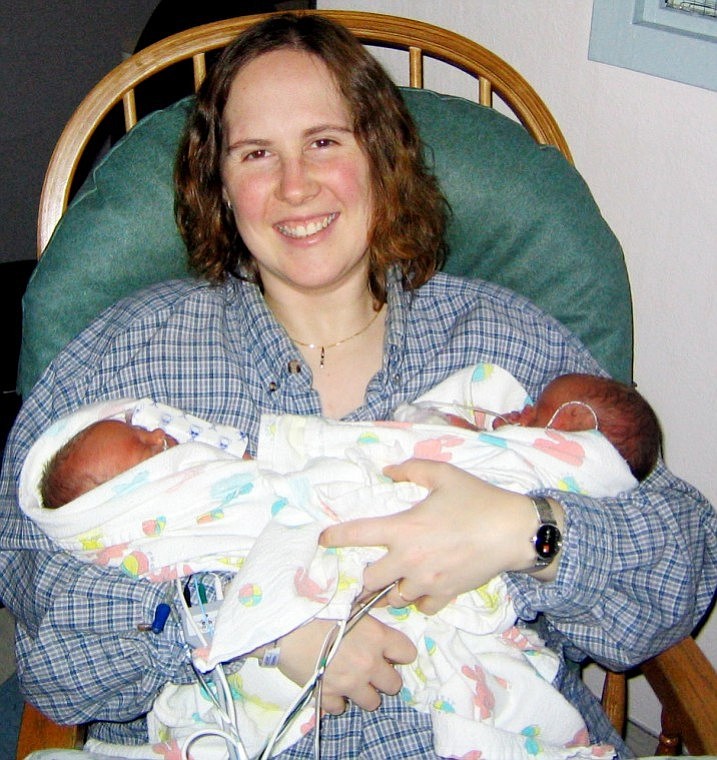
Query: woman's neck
x=323, y=319
x=340, y=336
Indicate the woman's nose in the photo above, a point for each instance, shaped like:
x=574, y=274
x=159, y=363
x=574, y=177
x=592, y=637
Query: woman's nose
x=297, y=183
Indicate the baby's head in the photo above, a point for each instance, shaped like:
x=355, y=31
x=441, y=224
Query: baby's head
x=618, y=411
x=95, y=455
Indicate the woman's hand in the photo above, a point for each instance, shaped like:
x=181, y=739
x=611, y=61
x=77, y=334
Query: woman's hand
x=463, y=534
x=362, y=668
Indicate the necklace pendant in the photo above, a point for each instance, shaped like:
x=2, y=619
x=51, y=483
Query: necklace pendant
x=322, y=356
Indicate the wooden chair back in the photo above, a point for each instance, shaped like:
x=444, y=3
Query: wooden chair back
x=418, y=39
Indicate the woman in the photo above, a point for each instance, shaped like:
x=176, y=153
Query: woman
x=305, y=206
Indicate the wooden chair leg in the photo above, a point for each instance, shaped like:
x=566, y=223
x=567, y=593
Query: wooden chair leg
x=685, y=682
x=614, y=700
x=670, y=740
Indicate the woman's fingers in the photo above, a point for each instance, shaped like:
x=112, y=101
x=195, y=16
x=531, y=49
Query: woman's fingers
x=430, y=605
x=463, y=533
x=419, y=471
x=365, y=531
x=388, y=681
x=397, y=648
x=374, y=531
x=363, y=667
x=332, y=704
x=383, y=678
x=400, y=595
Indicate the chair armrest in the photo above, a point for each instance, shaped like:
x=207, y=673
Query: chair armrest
x=39, y=732
x=685, y=682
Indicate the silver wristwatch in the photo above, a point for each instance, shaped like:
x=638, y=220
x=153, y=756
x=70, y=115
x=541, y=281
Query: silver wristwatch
x=547, y=539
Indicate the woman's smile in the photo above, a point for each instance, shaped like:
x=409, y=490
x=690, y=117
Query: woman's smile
x=306, y=229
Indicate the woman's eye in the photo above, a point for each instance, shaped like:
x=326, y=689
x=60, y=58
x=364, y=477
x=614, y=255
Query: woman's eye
x=256, y=154
x=323, y=142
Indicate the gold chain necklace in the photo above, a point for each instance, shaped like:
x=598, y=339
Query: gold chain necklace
x=323, y=348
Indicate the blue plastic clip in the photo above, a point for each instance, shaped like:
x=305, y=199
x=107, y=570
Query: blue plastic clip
x=160, y=617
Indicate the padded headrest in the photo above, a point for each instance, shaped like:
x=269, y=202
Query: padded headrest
x=522, y=217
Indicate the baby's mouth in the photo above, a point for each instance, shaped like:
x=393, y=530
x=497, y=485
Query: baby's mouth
x=305, y=229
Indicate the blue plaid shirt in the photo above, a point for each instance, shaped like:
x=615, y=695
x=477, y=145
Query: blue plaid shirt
x=636, y=571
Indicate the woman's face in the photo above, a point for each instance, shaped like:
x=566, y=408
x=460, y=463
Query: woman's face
x=295, y=175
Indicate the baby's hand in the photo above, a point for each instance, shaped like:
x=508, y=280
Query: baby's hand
x=510, y=418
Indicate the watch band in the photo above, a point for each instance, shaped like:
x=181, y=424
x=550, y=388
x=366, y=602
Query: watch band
x=547, y=539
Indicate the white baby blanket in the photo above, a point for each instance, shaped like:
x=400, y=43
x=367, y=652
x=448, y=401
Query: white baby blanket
x=200, y=507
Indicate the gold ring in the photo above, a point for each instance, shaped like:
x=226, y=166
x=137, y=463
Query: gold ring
x=398, y=590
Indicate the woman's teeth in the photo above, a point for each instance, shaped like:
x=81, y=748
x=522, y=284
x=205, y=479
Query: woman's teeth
x=306, y=230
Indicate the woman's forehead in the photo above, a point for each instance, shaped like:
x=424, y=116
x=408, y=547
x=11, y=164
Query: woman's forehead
x=287, y=84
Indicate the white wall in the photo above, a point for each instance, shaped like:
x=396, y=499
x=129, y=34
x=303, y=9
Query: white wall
x=646, y=148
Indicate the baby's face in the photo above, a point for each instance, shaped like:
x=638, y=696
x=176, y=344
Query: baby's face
x=554, y=408
x=111, y=447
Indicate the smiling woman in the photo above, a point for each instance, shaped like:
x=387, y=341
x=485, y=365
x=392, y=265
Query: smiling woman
x=333, y=238
x=320, y=195
x=406, y=209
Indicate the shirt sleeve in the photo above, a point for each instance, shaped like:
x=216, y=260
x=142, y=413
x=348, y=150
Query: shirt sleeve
x=86, y=660
x=636, y=573
x=80, y=655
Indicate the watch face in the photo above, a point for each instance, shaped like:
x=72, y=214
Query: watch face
x=547, y=541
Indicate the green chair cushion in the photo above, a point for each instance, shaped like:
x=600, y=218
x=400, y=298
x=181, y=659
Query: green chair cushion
x=522, y=217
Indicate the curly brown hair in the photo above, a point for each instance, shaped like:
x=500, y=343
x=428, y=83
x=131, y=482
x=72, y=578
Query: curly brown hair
x=409, y=211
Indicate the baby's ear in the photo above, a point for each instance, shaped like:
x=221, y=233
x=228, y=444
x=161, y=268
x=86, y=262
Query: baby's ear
x=574, y=417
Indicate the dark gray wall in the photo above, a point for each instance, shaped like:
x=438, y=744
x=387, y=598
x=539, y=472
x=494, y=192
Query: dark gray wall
x=51, y=53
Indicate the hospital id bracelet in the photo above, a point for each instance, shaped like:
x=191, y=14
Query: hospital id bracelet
x=547, y=539
x=270, y=658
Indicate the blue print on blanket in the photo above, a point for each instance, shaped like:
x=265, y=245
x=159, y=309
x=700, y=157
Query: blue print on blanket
x=134, y=481
x=232, y=488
